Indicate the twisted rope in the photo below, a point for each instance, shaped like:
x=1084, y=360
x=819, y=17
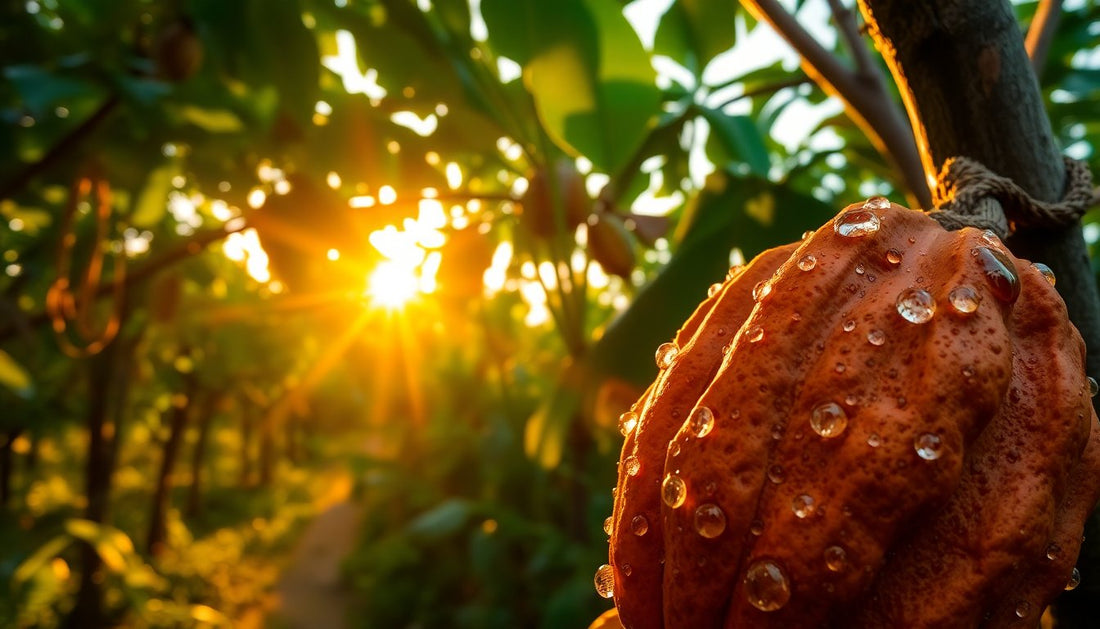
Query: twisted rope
x=968, y=194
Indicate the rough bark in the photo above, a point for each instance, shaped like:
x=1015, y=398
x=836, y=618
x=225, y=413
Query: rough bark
x=970, y=90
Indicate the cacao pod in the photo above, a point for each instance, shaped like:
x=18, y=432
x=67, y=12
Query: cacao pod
x=885, y=425
x=178, y=51
x=540, y=206
x=610, y=244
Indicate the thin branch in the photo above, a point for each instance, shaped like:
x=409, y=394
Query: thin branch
x=845, y=20
x=767, y=89
x=868, y=102
x=10, y=187
x=1041, y=33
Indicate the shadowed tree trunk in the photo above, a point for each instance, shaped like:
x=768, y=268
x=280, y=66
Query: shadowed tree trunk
x=970, y=90
x=198, y=454
x=163, y=493
x=248, y=421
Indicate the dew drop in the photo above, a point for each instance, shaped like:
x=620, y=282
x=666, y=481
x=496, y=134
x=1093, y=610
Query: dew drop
x=754, y=334
x=1074, y=579
x=893, y=257
x=828, y=420
x=639, y=525
x=839, y=368
x=990, y=237
x=807, y=262
x=803, y=506
x=776, y=474
x=605, y=581
x=1001, y=273
x=756, y=527
x=608, y=523
x=627, y=422
x=632, y=465
x=674, y=449
x=710, y=521
x=627, y=569
x=1094, y=388
x=673, y=491
x=968, y=371
x=761, y=290
x=874, y=440
x=1045, y=271
x=701, y=421
x=766, y=586
x=713, y=290
x=928, y=446
x=876, y=337
x=860, y=269
x=806, y=234
x=1052, y=551
x=849, y=325
x=876, y=203
x=835, y=558
x=916, y=305
x=666, y=353
x=964, y=299
x=857, y=222
x=734, y=271
x=1023, y=608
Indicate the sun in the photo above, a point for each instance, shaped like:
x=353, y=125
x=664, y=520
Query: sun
x=392, y=285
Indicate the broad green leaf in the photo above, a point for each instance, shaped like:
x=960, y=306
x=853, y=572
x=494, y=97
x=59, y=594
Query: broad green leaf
x=212, y=120
x=14, y=377
x=444, y=519
x=152, y=203
x=740, y=138
x=696, y=31
x=40, y=90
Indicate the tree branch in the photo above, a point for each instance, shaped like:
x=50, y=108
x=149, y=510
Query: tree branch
x=1041, y=33
x=868, y=102
x=846, y=23
x=766, y=89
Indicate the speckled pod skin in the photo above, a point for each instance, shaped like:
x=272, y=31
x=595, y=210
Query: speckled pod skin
x=957, y=491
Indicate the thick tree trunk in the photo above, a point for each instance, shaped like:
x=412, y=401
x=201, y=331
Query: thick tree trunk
x=970, y=91
x=163, y=493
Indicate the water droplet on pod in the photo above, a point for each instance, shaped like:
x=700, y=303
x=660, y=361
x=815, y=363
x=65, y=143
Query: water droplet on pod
x=876, y=203
x=857, y=222
x=756, y=527
x=734, y=271
x=1001, y=273
x=632, y=465
x=710, y=521
x=1045, y=271
x=839, y=368
x=874, y=440
x=828, y=420
x=776, y=474
x=666, y=353
x=639, y=525
x=608, y=523
x=701, y=421
x=761, y=290
x=766, y=585
x=673, y=491
x=1094, y=388
x=806, y=234
x=860, y=270
x=1074, y=579
x=754, y=334
x=605, y=581
x=1023, y=608
x=627, y=422
x=803, y=506
x=849, y=325
x=893, y=257
x=916, y=305
x=1052, y=551
x=928, y=446
x=835, y=558
x=627, y=569
x=713, y=290
x=876, y=337
x=964, y=299
x=807, y=262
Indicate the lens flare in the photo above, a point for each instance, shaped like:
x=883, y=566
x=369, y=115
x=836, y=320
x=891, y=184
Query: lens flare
x=391, y=285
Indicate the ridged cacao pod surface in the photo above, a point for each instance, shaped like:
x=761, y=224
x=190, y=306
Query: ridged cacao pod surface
x=884, y=425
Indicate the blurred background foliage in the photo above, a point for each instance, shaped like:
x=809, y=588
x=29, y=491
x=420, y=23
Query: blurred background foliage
x=263, y=257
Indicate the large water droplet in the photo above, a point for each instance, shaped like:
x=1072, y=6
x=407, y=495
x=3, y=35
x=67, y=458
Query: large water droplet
x=627, y=422
x=964, y=299
x=877, y=203
x=916, y=305
x=876, y=337
x=828, y=420
x=803, y=505
x=849, y=325
x=856, y=222
x=713, y=290
x=734, y=271
x=632, y=465
x=806, y=234
x=608, y=523
x=807, y=262
x=1023, y=608
x=710, y=521
x=639, y=525
x=1001, y=273
x=666, y=353
x=776, y=474
x=860, y=269
x=761, y=290
x=893, y=257
x=835, y=558
x=766, y=586
x=673, y=491
x=1094, y=387
x=701, y=421
x=754, y=333
x=1074, y=579
x=1045, y=271
x=928, y=446
x=605, y=581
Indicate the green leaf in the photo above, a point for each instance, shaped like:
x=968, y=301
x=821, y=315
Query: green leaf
x=546, y=430
x=152, y=203
x=40, y=558
x=212, y=120
x=740, y=139
x=40, y=90
x=14, y=377
x=695, y=31
x=444, y=519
